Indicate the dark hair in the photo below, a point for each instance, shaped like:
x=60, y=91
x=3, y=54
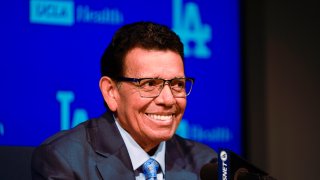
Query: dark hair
x=146, y=35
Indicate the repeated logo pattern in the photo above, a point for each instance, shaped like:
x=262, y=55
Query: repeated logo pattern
x=150, y=169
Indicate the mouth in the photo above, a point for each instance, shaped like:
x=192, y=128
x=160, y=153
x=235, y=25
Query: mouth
x=158, y=117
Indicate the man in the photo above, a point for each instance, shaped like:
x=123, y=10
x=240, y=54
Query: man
x=144, y=87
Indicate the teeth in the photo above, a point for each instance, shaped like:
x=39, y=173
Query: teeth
x=160, y=117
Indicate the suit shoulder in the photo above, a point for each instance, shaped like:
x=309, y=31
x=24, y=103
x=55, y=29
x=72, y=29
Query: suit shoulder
x=75, y=134
x=194, y=155
x=195, y=148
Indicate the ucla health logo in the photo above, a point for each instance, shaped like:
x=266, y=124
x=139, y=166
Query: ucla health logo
x=200, y=133
x=52, y=12
x=66, y=13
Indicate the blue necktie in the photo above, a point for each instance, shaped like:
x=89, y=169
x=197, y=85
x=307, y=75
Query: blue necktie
x=150, y=169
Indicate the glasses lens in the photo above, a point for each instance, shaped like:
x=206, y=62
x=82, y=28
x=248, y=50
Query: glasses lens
x=150, y=87
x=181, y=87
x=189, y=83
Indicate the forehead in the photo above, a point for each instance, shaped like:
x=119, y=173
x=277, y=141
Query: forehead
x=140, y=62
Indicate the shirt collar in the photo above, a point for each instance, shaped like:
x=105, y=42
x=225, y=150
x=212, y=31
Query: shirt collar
x=137, y=155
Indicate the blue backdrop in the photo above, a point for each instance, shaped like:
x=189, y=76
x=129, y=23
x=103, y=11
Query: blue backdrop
x=50, y=53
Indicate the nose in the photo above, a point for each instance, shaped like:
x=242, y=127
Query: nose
x=166, y=97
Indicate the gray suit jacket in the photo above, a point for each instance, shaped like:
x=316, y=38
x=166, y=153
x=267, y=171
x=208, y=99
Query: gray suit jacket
x=95, y=150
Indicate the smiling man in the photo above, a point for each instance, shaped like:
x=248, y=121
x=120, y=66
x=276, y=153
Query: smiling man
x=145, y=90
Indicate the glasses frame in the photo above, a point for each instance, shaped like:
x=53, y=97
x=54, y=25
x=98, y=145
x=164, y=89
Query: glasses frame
x=138, y=80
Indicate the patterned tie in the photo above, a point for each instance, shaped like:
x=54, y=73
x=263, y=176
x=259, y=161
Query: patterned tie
x=150, y=169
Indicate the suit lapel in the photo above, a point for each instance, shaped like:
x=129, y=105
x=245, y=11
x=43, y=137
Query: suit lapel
x=176, y=165
x=112, y=155
x=115, y=165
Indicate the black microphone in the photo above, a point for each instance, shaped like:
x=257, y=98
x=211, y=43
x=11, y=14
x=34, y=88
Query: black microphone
x=232, y=167
x=244, y=174
x=209, y=171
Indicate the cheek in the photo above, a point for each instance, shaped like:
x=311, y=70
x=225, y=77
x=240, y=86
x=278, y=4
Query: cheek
x=182, y=103
x=134, y=107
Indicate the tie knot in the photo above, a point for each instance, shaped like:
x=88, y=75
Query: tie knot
x=150, y=169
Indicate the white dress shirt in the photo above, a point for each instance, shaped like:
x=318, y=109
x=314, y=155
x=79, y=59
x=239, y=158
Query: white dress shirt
x=138, y=156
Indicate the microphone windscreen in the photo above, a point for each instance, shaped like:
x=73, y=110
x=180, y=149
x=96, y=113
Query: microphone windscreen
x=244, y=174
x=209, y=171
x=240, y=174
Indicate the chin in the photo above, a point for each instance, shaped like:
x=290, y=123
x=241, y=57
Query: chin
x=163, y=136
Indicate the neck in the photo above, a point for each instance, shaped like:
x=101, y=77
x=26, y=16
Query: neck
x=152, y=151
x=150, y=147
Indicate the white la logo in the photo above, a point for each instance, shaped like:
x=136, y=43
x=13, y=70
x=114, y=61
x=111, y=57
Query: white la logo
x=65, y=98
x=187, y=23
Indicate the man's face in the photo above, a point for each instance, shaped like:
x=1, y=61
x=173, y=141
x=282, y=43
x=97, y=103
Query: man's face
x=150, y=120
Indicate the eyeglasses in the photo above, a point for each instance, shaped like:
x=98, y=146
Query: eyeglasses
x=152, y=87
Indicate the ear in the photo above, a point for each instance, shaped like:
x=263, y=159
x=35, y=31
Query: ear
x=109, y=92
